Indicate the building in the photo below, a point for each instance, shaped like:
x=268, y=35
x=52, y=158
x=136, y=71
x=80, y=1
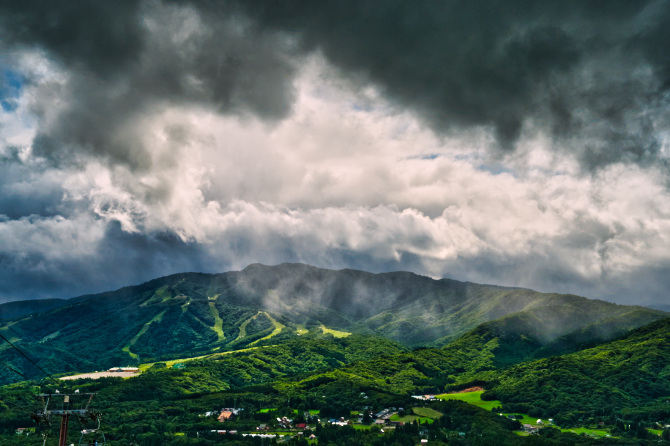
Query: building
x=124, y=369
x=224, y=415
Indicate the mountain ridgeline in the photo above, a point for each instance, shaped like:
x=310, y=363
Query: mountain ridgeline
x=194, y=314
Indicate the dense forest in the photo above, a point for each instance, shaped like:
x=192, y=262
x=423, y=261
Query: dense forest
x=288, y=361
x=620, y=385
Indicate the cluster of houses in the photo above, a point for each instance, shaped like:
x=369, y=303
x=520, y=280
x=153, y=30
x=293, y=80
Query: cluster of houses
x=284, y=423
x=224, y=414
x=24, y=430
x=340, y=422
x=424, y=397
x=383, y=417
x=534, y=429
x=529, y=428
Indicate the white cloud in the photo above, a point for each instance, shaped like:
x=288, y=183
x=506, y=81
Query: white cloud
x=349, y=173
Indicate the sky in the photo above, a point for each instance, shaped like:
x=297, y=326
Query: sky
x=514, y=143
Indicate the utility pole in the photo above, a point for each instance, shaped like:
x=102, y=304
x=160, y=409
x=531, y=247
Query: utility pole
x=65, y=413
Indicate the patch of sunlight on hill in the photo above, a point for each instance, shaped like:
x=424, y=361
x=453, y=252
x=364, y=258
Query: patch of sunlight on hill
x=473, y=398
x=172, y=362
x=218, y=322
x=278, y=327
x=335, y=333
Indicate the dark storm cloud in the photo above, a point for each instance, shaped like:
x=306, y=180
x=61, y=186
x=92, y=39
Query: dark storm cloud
x=118, y=259
x=575, y=68
x=593, y=77
x=125, y=61
x=100, y=36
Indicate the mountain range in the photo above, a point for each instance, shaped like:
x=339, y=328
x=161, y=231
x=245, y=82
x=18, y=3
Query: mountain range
x=292, y=341
x=192, y=314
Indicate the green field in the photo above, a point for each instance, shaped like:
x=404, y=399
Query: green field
x=405, y=419
x=527, y=419
x=311, y=411
x=473, y=398
x=421, y=414
x=426, y=412
x=335, y=333
x=587, y=431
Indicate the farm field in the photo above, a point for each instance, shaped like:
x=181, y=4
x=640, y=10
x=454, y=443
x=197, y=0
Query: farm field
x=473, y=398
x=421, y=414
x=587, y=431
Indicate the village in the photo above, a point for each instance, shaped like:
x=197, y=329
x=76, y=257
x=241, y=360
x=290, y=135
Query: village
x=306, y=424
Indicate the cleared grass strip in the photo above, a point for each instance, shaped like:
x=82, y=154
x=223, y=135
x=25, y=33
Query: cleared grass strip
x=218, y=322
x=143, y=330
x=335, y=333
x=278, y=327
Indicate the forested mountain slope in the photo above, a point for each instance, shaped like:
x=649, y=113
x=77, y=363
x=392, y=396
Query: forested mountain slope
x=628, y=378
x=194, y=314
x=630, y=372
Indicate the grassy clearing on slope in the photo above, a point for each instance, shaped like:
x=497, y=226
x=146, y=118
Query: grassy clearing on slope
x=422, y=414
x=426, y=412
x=172, y=362
x=278, y=327
x=218, y=322
x=160, y=295
x=403, y=419
x=311, y=411
x=473, y=398
x=335, y=333
x=411, y=419
x=126, y=348
x=243, y=327
x=587, y=431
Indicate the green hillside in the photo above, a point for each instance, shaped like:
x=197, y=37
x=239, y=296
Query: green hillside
x=628, y=373
x=196, y=314
x=621, y=387
x=13, y=310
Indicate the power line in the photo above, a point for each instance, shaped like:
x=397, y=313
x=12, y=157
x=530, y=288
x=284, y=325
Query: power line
x=18, y=406
x=31, y=361
x=15, y=371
